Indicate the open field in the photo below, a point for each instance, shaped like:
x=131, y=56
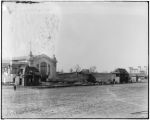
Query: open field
x=107, y=101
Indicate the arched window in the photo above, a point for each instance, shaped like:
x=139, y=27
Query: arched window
x=43, y=67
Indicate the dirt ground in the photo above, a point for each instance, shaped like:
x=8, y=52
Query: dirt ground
x=106, y=101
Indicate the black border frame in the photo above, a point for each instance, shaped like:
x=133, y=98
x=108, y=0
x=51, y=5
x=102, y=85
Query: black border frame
x=36, y=1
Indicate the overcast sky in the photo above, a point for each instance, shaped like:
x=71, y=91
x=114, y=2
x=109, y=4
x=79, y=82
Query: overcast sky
x=107, y=35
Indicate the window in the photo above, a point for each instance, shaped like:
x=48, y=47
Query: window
x=37, y=66
x=43, y=68
x=117, y=75
x=48, y=69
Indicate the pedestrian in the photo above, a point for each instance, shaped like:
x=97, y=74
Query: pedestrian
x=113, y=81
x=14, y=87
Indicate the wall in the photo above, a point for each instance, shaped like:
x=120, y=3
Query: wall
x=101, y=77
x=117, y=79
x=71, y=77
x=104, y=77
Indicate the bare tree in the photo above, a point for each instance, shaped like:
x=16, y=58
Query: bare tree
x=77, y=68
x=92, y=69
x=71, y=70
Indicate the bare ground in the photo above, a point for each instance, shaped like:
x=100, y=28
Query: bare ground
x=107, y=101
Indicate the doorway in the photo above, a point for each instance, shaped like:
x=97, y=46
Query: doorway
x=43, y=68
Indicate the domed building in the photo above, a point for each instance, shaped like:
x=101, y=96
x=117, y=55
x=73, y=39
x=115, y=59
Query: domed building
x=45, y=65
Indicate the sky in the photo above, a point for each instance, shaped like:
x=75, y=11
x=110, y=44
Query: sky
x=107, y=35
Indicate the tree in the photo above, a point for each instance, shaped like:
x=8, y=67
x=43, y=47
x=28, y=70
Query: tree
x=77, y=68
x=71, y=70
x=92, y=69
x=123, y=74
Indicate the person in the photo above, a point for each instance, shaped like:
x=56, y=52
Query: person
x=113, y=81
x=137, y=78
x=14, y=87
x=14, y=80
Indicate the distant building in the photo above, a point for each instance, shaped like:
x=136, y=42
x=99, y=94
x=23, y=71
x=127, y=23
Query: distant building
x=136, y=74
x=138, y=70
x=45, y=65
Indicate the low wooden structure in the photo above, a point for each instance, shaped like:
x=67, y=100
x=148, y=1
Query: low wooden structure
x=28, y=76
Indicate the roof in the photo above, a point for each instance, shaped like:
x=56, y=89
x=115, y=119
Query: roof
x=20, y=58
x=120, y=71
x=43, y=55
x=24, y=58
x=5, y=63
x=33, y=69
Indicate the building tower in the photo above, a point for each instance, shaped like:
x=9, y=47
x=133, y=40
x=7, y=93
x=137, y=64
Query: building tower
x=30, y=60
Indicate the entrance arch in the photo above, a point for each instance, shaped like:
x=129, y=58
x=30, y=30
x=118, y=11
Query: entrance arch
x=43, y=70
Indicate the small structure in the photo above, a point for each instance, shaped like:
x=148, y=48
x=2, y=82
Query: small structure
x=121, y=75
x=28, y=76
x=137, y=77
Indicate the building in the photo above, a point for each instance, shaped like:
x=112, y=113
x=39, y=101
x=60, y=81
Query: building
x=121, y=75
x=45, y=65
x=139, y=73
x=139, y=70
